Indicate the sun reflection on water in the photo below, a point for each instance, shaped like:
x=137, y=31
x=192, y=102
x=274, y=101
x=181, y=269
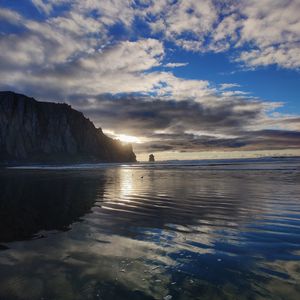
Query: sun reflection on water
x=126, y=182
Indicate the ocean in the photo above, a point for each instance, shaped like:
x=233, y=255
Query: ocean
x=215, y=229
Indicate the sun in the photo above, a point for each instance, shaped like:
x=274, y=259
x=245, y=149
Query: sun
x=128, y=138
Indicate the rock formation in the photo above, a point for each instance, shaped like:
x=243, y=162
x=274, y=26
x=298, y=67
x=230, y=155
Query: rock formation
x=44, y=132
x=151, y=158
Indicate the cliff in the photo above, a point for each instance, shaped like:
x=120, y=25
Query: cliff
x=44, y=132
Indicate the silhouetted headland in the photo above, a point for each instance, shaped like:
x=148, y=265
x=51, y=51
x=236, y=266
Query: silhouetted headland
x=44, y=132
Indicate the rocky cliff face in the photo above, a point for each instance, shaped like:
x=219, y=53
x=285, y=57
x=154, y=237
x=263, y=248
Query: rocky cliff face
x=42, y=132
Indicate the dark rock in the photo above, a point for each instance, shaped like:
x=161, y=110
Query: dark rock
x=151, y=158
x=44, y=132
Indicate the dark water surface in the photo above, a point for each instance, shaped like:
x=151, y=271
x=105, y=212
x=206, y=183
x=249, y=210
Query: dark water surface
x=194, y=230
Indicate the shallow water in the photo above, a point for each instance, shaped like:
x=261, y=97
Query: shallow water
x=186, y=230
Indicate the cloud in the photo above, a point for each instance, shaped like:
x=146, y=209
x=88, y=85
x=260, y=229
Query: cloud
x=128, y=56
x=171, y=125
x=141, y=115
x=269, y=30
x=186, y=16
x=9, y=16
x=226, y=86
x=270, y=22
x=262, y=33
x=78, y=50
x=180, y=18
x=286, y=56
x=58, y=40
x=108, y=12
x=234, y=93
x=175, y=65
x=276, y=140
x=67, y=48
x=42, y=6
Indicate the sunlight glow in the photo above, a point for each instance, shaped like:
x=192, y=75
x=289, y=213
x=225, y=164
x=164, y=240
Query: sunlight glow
x=128, y=138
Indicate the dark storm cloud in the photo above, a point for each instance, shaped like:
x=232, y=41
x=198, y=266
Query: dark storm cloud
x=189, y=142
x=273, y=139
x=187, y=125
x=140, y=115
x=259, y=140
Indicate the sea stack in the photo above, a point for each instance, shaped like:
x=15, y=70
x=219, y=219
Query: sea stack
x=44, y=132
x=151, y=158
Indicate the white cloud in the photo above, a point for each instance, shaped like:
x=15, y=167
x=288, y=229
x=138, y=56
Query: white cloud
x=287, y=56
x=127, y=56
x=43, y=5
x=175, y=65
x=273, y=27
x=10, y=16
x=109, y=11
x=191, y=16
x=21, y=52
x=77, y=24
x=269, y=29
x=182, y=89
x=234, y=93
x=57, y=40
x=225, y=86
x=270, y=22
x=65, y=47
x=182, y=17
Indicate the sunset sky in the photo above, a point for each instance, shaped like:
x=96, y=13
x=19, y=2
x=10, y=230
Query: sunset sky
x=181, y=79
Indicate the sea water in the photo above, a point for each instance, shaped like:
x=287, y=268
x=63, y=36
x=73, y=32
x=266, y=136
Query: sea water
x=172, y=230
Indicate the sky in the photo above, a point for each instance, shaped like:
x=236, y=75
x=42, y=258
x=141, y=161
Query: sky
x=181, y=79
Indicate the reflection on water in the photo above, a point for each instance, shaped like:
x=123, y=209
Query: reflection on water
x=151, y=232
x=35, y=201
